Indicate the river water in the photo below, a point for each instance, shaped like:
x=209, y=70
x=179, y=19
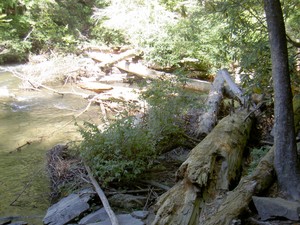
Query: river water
x=31, y=123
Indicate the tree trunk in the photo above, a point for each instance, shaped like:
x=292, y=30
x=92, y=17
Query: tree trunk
x=286, y=161
x=213, y=168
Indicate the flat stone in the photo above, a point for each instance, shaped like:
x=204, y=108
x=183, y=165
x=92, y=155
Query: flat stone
x=68, y=208
x=5, y=220
x=140, y=214
x=276, y=207
x=124, y=219
x=97, y=216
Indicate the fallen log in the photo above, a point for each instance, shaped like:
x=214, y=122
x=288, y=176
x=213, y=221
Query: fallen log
x=236, y=202
x=208, y=118
x=95, y=86
x=107, y=60
x=212, y=168
x=144, y=72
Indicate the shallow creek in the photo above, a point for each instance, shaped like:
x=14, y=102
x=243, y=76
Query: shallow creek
x=32, y=122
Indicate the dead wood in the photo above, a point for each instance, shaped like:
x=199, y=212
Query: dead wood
x=236, y=202
x=64, y=169
x=109, y=211
x=211, y=169
x=144, y=72
x=208, y=118
x=108, y=60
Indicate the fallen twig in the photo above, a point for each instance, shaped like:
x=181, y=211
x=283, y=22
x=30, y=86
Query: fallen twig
x=111, y=214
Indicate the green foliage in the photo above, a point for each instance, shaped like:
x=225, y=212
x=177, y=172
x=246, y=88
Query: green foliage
x=110, y=37
x=256, y=155
x=122, y=152
x=43, y=25
x=189, y=38
x=126, y=149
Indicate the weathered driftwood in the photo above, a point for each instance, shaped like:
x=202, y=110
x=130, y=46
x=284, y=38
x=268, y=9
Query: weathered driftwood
x=144, y=72
x=95, y=86
x=211, y=169
x=110, y=212
x=208, y=118
x=107, y=60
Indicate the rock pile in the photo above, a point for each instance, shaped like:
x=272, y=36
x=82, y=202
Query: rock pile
x=76, y=209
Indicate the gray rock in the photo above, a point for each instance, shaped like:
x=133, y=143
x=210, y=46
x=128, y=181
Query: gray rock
x=140, y=214
x=68, y=208
x=276, y=207
x=97, y=216
x=5, y=220
x=124, y=219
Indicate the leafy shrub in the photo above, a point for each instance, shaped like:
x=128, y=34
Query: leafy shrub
x=122, y=152
x=126, y=149
x=108, y=36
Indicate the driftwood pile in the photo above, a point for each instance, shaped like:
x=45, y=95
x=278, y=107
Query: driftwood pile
x=64, y=170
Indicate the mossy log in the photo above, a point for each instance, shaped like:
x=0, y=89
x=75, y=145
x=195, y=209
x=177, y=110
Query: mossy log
x=212, y=168
x=236, y=202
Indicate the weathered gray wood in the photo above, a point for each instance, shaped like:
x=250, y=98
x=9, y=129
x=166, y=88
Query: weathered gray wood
x=211, y=168
x=208, y=119
x=144, y=72
x=236, y=201
x=110, y=212
x=232, y=87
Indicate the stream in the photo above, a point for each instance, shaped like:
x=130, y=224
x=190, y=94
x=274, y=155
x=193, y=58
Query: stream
x=32, y=122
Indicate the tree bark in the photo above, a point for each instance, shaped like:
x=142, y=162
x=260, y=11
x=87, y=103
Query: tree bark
x=212, y=168
x=286, y=161
x=236, y=202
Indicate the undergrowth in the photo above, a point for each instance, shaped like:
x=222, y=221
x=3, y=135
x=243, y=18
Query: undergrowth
x=128, y=147
x=256, y=155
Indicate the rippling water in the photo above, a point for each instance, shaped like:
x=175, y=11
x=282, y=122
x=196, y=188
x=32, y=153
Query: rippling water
x=31, y=123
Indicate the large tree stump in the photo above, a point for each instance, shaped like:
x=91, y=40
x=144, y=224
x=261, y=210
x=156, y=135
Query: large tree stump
x=212, y=168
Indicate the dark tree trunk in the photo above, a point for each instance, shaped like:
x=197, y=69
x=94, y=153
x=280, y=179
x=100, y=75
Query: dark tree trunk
x=286, y=162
